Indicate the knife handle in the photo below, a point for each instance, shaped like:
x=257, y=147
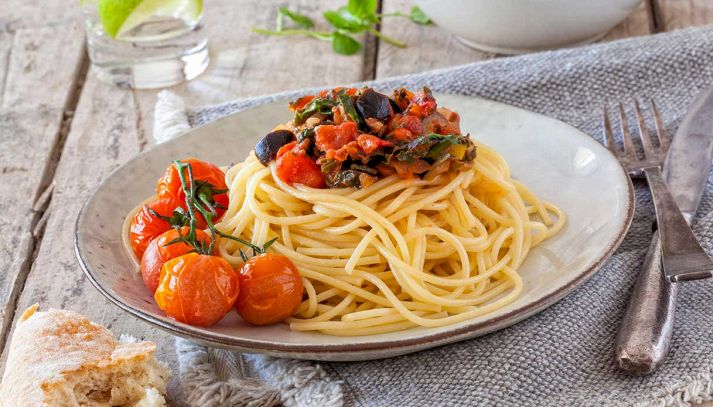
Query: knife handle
x=645, y=331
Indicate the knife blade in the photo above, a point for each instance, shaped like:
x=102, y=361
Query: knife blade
x=645, y=331
x=690, y=153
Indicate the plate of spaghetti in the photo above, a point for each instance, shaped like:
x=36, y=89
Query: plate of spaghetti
x=355, y=224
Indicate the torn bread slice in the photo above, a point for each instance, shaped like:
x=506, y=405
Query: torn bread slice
x=60, y=358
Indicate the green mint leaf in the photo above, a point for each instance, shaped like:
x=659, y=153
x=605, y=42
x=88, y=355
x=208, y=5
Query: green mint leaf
x=299, y=19
x=345, y=20
x=364, y=9
x=418, y=16
x=344, y=44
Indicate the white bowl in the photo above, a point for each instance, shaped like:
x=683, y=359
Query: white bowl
x=519, y=26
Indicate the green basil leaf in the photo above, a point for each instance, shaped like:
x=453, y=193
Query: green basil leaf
x=440, y=149
x=418, y=16
x=349, y=108
x=317, y=105
x=328, y=165
x=344, y=20
x=299, y=19
x=344, y=44
x=364, y=9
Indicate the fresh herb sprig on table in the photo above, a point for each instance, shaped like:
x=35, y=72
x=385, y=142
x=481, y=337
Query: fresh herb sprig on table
x=356, y=17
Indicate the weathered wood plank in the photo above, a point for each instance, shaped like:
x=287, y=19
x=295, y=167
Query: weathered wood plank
x=22, y=176
x=18, y=14
x=103, y=136
x=43, y=63
x=429, y=47
x=676, y=14
x=247, y=64
x=38, y=69
x=6, y=39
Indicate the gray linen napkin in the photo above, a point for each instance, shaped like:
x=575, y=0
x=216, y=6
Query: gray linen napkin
x=564, y=355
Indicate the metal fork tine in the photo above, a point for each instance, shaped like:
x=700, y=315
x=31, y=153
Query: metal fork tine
x=661, y=133
x=643, y=131
x=608, y=133
x=626, y=136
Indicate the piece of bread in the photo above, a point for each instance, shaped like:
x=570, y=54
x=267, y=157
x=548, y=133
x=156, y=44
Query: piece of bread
x=61, y=359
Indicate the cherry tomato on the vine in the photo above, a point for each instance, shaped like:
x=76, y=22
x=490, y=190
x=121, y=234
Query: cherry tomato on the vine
x=210, y=176
x=270, y=289
x=146, y=226
x=158, y=252
x=197, y=289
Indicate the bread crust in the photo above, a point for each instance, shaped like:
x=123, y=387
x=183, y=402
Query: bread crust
x=49, y=347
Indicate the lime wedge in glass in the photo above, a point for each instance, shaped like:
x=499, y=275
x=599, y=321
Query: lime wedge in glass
x=119, y=17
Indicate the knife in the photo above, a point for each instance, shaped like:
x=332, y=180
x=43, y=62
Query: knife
x=645, y=331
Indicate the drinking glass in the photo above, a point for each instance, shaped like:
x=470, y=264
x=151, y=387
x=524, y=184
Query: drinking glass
x=145, y=44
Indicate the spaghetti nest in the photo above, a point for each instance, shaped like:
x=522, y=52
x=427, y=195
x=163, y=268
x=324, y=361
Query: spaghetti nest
x=398, y=253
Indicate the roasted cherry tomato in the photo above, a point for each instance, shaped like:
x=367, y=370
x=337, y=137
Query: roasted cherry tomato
x=206, y=174
x=197, y=289
x=296, y=168
x=146, y=226
x=158, y=252
x=270, y=289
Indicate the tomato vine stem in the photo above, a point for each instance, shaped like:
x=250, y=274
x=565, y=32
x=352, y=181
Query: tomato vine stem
x=202, y=204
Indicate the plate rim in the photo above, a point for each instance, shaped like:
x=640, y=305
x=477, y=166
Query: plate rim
x=393, y=346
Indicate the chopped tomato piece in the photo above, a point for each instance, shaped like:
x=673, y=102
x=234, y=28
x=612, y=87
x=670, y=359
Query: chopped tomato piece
x=331, y=137
x=350, y=149
x=337, y=115
x=331, y=93
x=301, y=102
x=295, y=168
x=450, y=115
x=403, y=97
x=409, y=122
x=423, y=104
x=369, y=143
x=401, y=134
x=287, y=147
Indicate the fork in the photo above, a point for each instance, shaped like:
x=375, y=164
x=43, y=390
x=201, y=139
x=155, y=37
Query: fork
x=683, y=258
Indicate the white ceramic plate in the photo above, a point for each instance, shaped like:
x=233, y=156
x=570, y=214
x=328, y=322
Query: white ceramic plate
x=560, y=163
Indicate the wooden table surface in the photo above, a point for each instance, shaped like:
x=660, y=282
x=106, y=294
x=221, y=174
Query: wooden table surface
x=62, y=131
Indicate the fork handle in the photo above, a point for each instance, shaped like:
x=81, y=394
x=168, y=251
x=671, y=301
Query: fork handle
x=683, y=257
x=645, y=331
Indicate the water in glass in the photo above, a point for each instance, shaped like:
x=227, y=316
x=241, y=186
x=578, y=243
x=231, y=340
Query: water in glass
x=157, y=46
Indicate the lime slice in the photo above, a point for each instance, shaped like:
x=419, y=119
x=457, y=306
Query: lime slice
x=121, y=16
